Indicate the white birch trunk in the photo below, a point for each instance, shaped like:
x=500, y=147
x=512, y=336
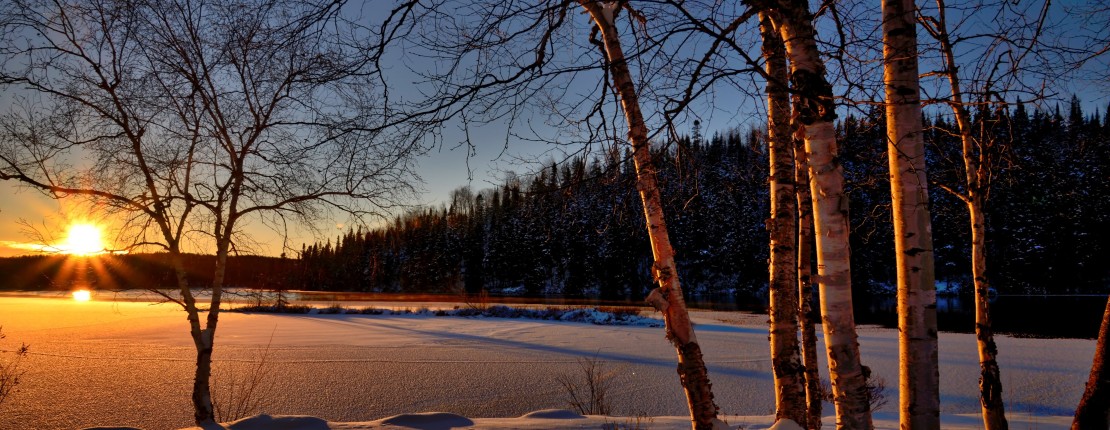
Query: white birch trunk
x=786, y=362
x=668, y=296
x=202, y=393
x=805, y=287
x=816, y=113
x=918, y=376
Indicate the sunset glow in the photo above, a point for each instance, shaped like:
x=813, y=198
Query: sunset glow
x=83, y=239
x=82, y=295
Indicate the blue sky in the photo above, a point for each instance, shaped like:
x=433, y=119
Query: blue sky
x=445, y=167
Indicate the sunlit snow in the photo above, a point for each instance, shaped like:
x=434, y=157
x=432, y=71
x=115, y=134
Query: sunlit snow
x=130, y=364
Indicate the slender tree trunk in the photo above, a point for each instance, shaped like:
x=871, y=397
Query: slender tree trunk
x=202, y=393
x=204, y=339
x=816, y=114
x=990, y=379
x=786, y=363
x=668, y=296
x=805, y=287
x=918, y=376
x=1094, y=408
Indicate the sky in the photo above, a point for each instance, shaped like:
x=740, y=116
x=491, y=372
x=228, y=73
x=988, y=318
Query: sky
x=28, y=218
x=23, y=209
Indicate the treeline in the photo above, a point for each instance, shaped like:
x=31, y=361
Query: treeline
x=577, y=228
x=573, y=229
x=127, y=271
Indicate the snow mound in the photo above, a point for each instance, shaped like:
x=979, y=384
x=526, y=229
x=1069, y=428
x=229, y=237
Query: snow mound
x=428, y=421
x=553, y=414
x=786, y=424
x=286, y=422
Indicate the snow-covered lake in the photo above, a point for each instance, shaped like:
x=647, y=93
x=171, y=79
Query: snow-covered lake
x=127, y=363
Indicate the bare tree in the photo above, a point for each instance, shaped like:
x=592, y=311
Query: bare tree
x=816, y=113
x=919, y=374
x=668, y=296
x=718, y=67
x=510, y=63
x=786, y=361
x=197, y=117
x=1088, y=52
x=1010, y=62
x=805, y=287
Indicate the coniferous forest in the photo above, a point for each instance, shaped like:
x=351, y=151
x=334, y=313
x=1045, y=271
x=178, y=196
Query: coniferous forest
x=575, y=228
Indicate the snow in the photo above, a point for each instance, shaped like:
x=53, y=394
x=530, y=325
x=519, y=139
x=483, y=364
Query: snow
x=130, y=364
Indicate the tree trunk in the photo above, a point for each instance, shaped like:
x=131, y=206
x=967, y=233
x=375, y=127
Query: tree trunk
x=805, y=287
x=668, y=296
x=786, y=365
x=202, y=388
x=1094, y=408
x=816, y=113
x=202, y=393
x=204, y=340
x=918, y=376
x=990, y=379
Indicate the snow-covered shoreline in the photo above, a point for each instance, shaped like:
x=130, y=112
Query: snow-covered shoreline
x=563, y=419
x=129, y=364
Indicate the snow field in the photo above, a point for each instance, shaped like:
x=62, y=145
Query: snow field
x=105, y=363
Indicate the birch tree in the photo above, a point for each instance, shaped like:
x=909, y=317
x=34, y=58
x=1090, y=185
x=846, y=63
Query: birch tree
x=919, y=376
x=1093, y=410
x=816, y=113
x=198, y=118
x=976, y=174
x=667, y=298
x=1002, y=68
x=797, y=386
x=786, y=363
x=807, y=326
x=495, y=61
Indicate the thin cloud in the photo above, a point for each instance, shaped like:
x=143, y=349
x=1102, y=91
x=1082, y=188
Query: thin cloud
x=24, y=246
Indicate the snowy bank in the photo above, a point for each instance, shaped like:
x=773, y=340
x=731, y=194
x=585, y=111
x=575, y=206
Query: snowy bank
x=611, y=315
x=553, y=419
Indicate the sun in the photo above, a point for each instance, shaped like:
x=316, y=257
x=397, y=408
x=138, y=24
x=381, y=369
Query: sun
x=82, y=295
x=83, y=239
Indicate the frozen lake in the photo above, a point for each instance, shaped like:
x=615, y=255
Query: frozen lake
x=126, y=363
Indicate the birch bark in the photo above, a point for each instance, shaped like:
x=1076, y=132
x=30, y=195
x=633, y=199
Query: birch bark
x=786, y=365
x=918, y=376
x=668, y=296
x=990, y=379
x=816, y=113
x=805, y=287
x=1093, y=411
